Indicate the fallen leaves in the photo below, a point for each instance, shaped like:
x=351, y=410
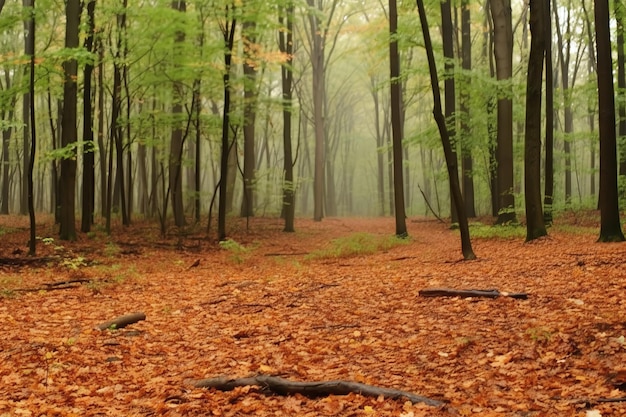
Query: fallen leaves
x=357, y=319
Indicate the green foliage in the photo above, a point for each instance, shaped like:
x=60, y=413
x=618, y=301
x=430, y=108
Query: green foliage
x=507, y=231
x=238, y=252
x=357, y=244
x=539, y=335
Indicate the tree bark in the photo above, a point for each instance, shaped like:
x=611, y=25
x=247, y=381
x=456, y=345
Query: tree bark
x=449, y=292
x=88, y=197
x=286, y=47
x=610, y=227
x=503, y=50
x=396, y=122
x=535, y=226
x=283, y=386
x=68, y=125
x=122, y=321
x=451, y=161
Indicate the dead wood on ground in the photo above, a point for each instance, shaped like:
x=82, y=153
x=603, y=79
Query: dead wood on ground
x=283, y=386
x=122, y=321
x=450, y=292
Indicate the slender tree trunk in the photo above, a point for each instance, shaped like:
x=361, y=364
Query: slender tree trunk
x=249, y=116
x=447, y=31
x=610, y=227
x=286, y=47
x=503, y=50
x=548, y=197
x=88, y=197
x=176, y=140
x=30, y=50
x=380, y=143
x=104, y=196
x=451, y=162
x=535, y=226
x=27, y=103
x=68, y=124
x=467, y=164
x=318, y=91
x=396, y=122
x=621, y=87
x=563, y=46
x=229, y=36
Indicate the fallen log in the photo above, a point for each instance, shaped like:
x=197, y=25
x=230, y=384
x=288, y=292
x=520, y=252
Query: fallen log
x=449, y=292
x=281, y=386
x=121, y=321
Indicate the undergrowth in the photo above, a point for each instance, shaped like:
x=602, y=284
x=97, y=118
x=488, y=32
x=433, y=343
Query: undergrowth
x=356, y=244
x=506, y=231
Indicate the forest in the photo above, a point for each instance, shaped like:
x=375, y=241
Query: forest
x=177, y=111
x=219, y=207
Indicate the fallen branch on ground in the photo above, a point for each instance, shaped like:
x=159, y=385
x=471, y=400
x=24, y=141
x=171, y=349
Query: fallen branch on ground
x=52, y=286
x=122, y=321
x=283, y=386
x=449, y=292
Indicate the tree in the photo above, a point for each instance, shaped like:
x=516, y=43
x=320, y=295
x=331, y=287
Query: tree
x=549, y=157
x=68, y=125
x=610, y=227
x=249, y=114
x=30, y=49
x=535, y=226
x=176, y=138
x=228, y=32
x=396, y=121
x=564, y=41
x=467, y=164
x=451, y=162
x=447, y=33
x=88, y=186
x=285, y=37
x=503, y=51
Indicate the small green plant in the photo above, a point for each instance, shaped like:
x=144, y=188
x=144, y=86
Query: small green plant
x=357, y=244
x=111, y=250
x=237, y=250
x=539, y=335
x=74, y=263
x=507, y=231
x=7, y=293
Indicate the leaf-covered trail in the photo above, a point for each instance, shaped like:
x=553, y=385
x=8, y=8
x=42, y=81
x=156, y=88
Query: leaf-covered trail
x=269, y=310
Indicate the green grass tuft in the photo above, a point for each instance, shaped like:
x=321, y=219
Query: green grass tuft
x=356, y=244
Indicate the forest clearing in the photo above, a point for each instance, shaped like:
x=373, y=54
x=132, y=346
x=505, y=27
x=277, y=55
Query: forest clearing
x=301, y=307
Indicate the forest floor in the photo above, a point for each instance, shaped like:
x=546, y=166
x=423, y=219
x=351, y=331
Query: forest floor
x=284, y=304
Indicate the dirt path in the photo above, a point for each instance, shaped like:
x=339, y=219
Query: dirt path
x=262, y=306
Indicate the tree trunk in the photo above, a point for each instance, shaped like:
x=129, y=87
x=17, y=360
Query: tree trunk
x=88, y=197
x=286, y=47
x=176, y=140
x=447, y=33
x=249, y=118
x=467, y=163
x=318, y=70
x=548, y=197
x=30, y=49
x=621, y=86
x=563, y=46
x=535, y=226
x=396, y=122
x=228, y=33
x=68, y=125
x=610, y=227
x=503, y=50
x=451, y=162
